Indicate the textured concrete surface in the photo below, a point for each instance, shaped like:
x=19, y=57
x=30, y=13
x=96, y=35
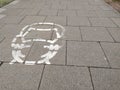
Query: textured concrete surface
x=115, y=33
x=106, y=79
x=95, y=34
x=17, y=77
x=72, y=78
x=85, y=54
x=103, y=22
x=72, y=33
x=112, y=52
x=1, y=37
x=90, y=55
x=78, y=21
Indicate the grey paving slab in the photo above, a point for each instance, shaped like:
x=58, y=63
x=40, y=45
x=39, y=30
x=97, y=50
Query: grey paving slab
x=92, y=7
x=12, y=12
x=48, y=12
x=1, y=10
x=108, y=13
x=10, y=30
x=21, y=4
x=72, y=33
x=86, y=13
x=38, y=50
x=78, y=21
x=116, y=20
x=85, y=54
x=106, y=7
x=65, y=78
x=105, y=22
x=106, y=79
x=97, y=2
x=115, y=32
x=75, y=6
x=67, y=13
x=58, y=6
x=2, y=16
x=95, y=34
x=79, y=2
x=56, y=19
x=113, y=54
x=11, y=19
x=83, y=7
x=1, y=25
x=1, y=37
x=42, y=6
x=17, y=77
x=60, y=58
x=32, y=19
x=38, y=34
x=78, y=13
x=28, y=12
x=6, y=50
x=78, y=5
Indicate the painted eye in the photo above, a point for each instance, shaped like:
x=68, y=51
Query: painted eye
x=46, y=34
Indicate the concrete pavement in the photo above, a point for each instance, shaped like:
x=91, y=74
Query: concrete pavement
x=90, y=55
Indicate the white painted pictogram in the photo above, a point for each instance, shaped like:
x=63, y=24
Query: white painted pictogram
x=52, y=46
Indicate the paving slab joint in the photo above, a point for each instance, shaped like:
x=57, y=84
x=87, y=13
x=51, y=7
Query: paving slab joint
x=105, y=55
x=41, y=77
x=111, y=35
x=91, y=78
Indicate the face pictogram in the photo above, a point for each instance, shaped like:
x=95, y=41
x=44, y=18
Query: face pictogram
x=50, y=44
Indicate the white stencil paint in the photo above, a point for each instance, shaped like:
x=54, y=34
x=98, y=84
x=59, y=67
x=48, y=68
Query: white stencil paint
x=52, y=46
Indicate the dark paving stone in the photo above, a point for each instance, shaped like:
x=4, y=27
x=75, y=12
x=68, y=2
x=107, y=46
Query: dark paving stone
x=20, y=77
x=115, y=32
x=33, y=19
x=12, y=12
x=48, y=12
x=56, y=19
x=1, y=37
x=10, y=30
x=72, y=33
x=38, y=50
x=11, y=19
x=112, y=50
x=117, y=21
x=85, y=54
x=78, y=21
x=66, y=78
x=66, y=13
x=104, y=22
x=106, y=79
x=95, y=34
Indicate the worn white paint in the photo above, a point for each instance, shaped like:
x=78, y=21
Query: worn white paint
x=52, y=47
x=30, y=62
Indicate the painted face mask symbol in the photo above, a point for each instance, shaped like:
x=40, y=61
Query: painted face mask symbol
x=50, y=44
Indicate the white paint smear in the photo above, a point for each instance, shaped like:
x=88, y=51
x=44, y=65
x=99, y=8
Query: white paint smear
x=43, y=29
x=30, y=62
x=52, y=46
